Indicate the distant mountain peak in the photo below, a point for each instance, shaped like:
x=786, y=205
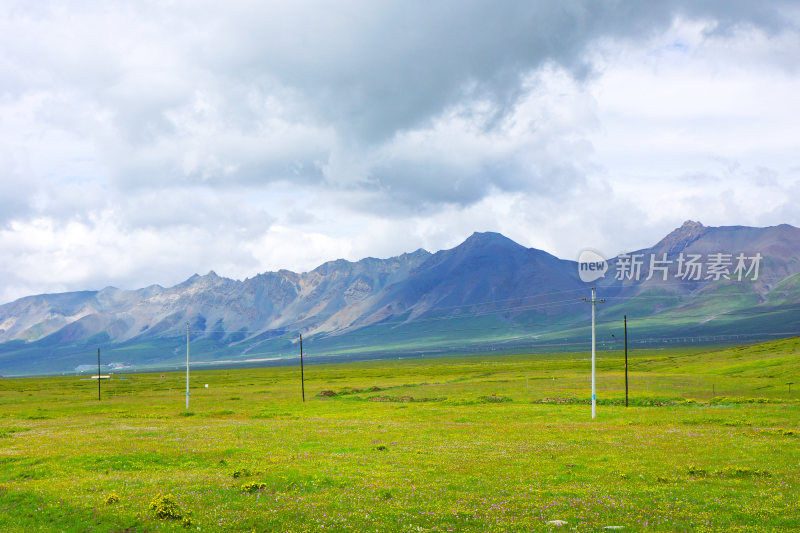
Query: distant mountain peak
x=680, y=238
x=199, y=280
x=419, y=252
x=691, y=225
x=488, y=237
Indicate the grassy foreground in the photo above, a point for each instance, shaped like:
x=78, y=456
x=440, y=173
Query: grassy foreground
x=710, y=443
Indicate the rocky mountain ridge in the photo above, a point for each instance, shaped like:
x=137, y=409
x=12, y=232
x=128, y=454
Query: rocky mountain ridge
x=488, y=279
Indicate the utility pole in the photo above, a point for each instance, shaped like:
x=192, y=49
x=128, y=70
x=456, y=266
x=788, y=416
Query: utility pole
x=302, y=377
x=625, y=318
x=594, y=301
x=98, y=374
x=187, y=366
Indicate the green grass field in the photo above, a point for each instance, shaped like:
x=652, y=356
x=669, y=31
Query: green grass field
x=711, y=442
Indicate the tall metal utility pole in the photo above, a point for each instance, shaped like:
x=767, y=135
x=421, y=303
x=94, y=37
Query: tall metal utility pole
x=625, y=318
x=98, y=374
x=594, y=301
x=187, y=366
x=302, y=377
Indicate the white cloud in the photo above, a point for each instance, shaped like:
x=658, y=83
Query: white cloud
x=687, y=126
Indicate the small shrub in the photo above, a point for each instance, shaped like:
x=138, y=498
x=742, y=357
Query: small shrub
x=696, y=471
x=165, y=507
x=242, y=472
x=738, y=423
x=254, y=486
x=494, y=398
x=381, y=448
x=111, y=498
x=187, y=413
x=742, y=472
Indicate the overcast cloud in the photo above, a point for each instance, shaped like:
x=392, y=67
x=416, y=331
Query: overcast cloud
x=143, y=142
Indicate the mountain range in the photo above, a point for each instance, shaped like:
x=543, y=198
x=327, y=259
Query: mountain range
x=698, y=284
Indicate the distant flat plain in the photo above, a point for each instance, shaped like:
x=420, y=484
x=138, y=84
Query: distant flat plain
x=710, y=442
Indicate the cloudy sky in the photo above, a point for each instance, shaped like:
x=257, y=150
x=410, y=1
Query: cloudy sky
x=141, y=142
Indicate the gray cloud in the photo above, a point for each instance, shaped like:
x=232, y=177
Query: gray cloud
x=146, y=116
x=366, y=70
x=376, y=69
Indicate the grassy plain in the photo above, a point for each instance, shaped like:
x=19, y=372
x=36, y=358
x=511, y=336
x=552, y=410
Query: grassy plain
x=493, y=443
